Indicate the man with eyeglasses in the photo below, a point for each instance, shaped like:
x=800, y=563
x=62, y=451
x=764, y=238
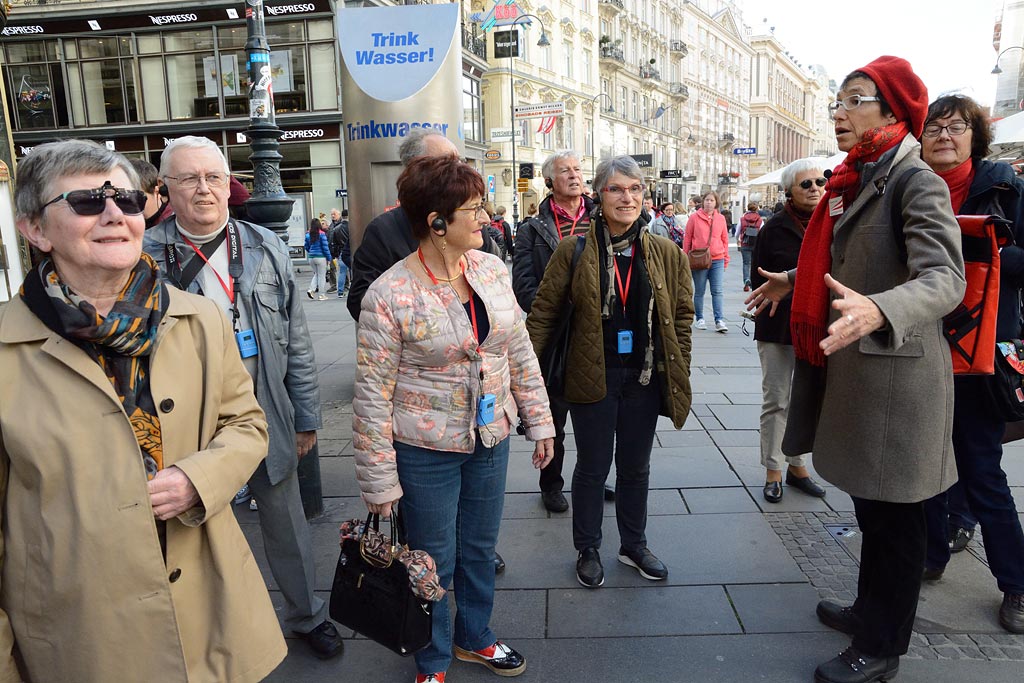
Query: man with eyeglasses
x=246, y=269
x=564, y=212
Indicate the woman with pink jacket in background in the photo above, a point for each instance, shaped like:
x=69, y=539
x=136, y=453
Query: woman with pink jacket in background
x=706, y=229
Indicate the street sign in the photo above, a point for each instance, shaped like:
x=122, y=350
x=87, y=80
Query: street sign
x=672, y=173
x=506, y=44
x=490, y=185
x=341, y=193
x=492, y=155
x=526, y=170
x=505, y=134
x=523, y=184
x=744, y=150
x=643, y=160
x=539, y=111
x=689, y=178
x=504, y=13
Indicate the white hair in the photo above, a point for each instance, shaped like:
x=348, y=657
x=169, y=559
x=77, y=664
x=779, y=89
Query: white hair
x=799, y=166
x=189, y=142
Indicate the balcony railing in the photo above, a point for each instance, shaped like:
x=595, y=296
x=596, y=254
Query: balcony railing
x=614, y=5
x=613, y=53
x=475, y=44
x=651, y=72
x=678, y=90
x=678, y=47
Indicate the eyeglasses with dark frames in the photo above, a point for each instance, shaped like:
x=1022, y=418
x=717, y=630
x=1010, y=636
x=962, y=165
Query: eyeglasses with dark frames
x=93, y=202
x=934, y=130
x=806, y=184
x=190, y=182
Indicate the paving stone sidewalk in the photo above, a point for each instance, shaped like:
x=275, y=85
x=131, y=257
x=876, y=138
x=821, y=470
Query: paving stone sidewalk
x=744, y=575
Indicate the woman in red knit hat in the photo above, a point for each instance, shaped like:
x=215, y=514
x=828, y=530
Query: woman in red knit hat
x=879, y=266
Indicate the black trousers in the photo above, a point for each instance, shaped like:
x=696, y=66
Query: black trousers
x=551, y=476
x=891, y=562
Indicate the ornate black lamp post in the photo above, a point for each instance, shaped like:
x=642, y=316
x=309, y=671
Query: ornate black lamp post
x=269, y=206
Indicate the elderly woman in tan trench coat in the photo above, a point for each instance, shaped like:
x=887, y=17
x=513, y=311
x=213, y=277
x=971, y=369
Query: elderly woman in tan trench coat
x=879, y=266
x=127, y=423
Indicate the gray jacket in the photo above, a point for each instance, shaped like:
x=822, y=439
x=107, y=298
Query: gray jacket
x=286, y=382
x=879, y=421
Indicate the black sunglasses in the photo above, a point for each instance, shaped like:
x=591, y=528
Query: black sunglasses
x=92, y=202
x=806, y=184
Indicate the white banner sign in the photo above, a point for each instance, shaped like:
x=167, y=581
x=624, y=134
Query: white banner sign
x=539, y=111
x=505, y=134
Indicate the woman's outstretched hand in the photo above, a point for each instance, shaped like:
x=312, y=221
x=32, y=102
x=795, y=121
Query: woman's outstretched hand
x=774, y=290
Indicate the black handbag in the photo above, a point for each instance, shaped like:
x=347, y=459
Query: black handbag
x=554, y=357
x=373, y=597
x=1006, y=384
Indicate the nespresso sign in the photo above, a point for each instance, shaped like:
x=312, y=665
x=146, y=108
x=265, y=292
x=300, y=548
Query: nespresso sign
x=233, y=12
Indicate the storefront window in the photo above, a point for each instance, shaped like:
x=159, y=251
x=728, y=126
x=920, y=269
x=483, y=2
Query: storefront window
x=324, y=75
x=187, y=85
x=285, y=32
x=178, y=41
x=471, y=108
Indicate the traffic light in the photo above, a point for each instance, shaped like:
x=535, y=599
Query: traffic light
x=523, y=184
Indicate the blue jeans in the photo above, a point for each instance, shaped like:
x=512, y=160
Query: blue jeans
x=746, y=252
x=620, y=426
x=451, y=507
x=700, y=280
x=342, y=276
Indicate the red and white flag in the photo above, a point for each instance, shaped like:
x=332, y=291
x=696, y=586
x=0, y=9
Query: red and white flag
x=547, y=124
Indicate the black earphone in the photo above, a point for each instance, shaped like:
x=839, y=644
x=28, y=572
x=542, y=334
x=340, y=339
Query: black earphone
x=439, y=226
x=163, y=191
x=548, y=184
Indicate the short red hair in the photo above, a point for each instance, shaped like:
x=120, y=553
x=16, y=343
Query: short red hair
x=436, y=183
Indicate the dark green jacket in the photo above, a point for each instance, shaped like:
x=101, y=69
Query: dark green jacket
x=672, y=286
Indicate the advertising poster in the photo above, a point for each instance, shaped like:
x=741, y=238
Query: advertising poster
x=401, y=70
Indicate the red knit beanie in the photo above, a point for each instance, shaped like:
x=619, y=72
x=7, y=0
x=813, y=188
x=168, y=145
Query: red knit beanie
x=902, y=89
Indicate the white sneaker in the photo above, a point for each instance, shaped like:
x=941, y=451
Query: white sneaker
x=720, y=326
x=701, y=325
x=322, y=297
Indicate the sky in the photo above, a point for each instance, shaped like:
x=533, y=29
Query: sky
x=948, y=43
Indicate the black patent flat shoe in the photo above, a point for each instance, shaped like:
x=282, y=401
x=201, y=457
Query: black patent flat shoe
x=773, y=491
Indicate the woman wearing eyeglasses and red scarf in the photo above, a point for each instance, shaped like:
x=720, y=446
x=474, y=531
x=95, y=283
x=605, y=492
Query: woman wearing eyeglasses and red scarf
x=879, y=421
x=127, y=424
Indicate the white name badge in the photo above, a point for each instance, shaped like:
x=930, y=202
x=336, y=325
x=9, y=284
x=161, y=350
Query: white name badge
x=835, y=206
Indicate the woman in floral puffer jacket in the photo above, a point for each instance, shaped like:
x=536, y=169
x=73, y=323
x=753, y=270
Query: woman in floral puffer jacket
x=443, y=365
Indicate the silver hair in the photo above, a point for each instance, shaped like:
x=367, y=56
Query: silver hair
x=624, y=164
x=547, y=170
x=799, y=166
x=189, y=142
x=415, y=144
x=53, y=161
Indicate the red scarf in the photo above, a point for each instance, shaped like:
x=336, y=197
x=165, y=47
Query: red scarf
x=959, y=180
x=809, y=314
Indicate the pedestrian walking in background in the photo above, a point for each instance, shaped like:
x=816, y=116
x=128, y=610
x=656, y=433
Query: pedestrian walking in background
x=706, y=229
x=565, y=212
x=628, y=361
x=507, y=239
x=318, y=252
x=338, y=238
x=268, y=320
x=730, y=227
x=956, y=138
x=668, y=225
x=873, y=384
x=775, y=250
x=750, y=224
x=442, y=366
x=122, y=559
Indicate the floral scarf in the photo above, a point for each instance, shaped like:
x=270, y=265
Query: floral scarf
x=119, y=342
x=809, y=313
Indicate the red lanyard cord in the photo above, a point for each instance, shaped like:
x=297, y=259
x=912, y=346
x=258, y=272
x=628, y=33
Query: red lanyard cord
x=227, y=287
x=430, y=273
x=624, y=291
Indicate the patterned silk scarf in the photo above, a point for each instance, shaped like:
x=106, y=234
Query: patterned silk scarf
x=809, y=313
x=119, y=342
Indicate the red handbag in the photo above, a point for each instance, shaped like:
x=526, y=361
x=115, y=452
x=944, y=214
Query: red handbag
x=970, y=329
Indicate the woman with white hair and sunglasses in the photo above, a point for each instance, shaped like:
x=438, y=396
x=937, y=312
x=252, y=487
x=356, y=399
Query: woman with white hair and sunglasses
x=776, y=250
x=127, y=424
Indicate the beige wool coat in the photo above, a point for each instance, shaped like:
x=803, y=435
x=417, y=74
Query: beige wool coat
x=879, y=419
x=85, y=594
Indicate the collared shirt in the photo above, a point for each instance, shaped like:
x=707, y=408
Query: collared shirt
x=566, y=224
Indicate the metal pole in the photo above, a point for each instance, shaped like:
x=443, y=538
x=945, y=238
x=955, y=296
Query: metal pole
x=512, y=118
x=269, y=206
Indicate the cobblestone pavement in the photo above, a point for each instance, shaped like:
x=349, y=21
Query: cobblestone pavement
x=831, y=569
